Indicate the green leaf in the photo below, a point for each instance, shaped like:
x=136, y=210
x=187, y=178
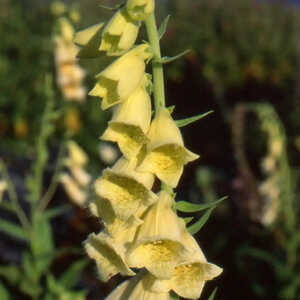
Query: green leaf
x=213, y=294
x=113, y=8
x=11, y=273
x=189, y=207
x=168, y=59
x=12, y=229
x=42, y=240
x=193, y=229
x=4, y=294
x=54, y=212
x=188, y=220
x=163, y=27
x=70, y=277
x=187, y=121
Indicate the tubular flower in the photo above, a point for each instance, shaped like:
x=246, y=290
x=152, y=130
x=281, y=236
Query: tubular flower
x=127, y=190
x=102, y=208
x=158, y=246
x=136, y=289
x=140, y=9
x=114, y=83
x=166, y=154
x=130, y=123
x=190, y=275
x=120, y=34
x=69, y=73
x=77, y=156
x=89, y=40
x=108, y=254
x=76, y=194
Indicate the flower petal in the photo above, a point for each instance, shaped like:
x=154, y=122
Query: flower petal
x=108, y=255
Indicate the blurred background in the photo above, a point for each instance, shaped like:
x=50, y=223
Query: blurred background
x=243, y=64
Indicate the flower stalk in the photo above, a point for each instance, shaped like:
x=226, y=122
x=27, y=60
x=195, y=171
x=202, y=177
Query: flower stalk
x=157, y=66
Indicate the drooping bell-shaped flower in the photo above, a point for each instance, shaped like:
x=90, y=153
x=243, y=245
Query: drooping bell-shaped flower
x=136, y=289
x=140, y=9
x=120, y=34
x=130, y=123
x=120, y=79
x=109, y=255
x=75, y=192
x=89, y=40
x=127, y=191
x=189, y=275
x=158, y=245
x=116, y=227
x=76, y=155
x=166, y=154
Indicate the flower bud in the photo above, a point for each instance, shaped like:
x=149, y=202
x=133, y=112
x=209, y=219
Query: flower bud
x=76, y=155
x=120, y=34
x=166, y=154
x=140, y=9
x=115, y=84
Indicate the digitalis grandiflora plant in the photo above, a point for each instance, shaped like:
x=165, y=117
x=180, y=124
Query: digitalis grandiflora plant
x=143, y=236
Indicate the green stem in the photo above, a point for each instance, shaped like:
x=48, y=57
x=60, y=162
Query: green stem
x=14, y=199
x=158, y=73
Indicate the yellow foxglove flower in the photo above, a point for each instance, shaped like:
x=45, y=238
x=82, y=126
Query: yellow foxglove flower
x=157, y=245
x=136, y=289
x=89, y=40
x=120, y=34
x=190, y=275
x=74, y=92
x=127, y=190
x=67, y=30
x=69, y=74
x=115, y=84
x=76, y=194
x=102, y=208
x=76, y=155
x=130, y=123
x=166, y=152
x=3, y=188
x=108, y=254
x=140, y=9
x=80, y=175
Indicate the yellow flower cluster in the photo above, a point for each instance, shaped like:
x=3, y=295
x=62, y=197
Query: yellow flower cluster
x=141, y=229
x=76, y=181
x=69, y=73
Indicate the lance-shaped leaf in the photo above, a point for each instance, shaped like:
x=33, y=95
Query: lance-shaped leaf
x=187, y=121
x=130, y=123
x=189, y=207
x=213, y=294
x=127, y=190
x=167, y=59
x=140, y=9
x=114, y=85
x=193, y=229
x=108, y=254
x=120, y=34
x=157, y=245
x=12, y=229
x=163, y=27
x=166, y=154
